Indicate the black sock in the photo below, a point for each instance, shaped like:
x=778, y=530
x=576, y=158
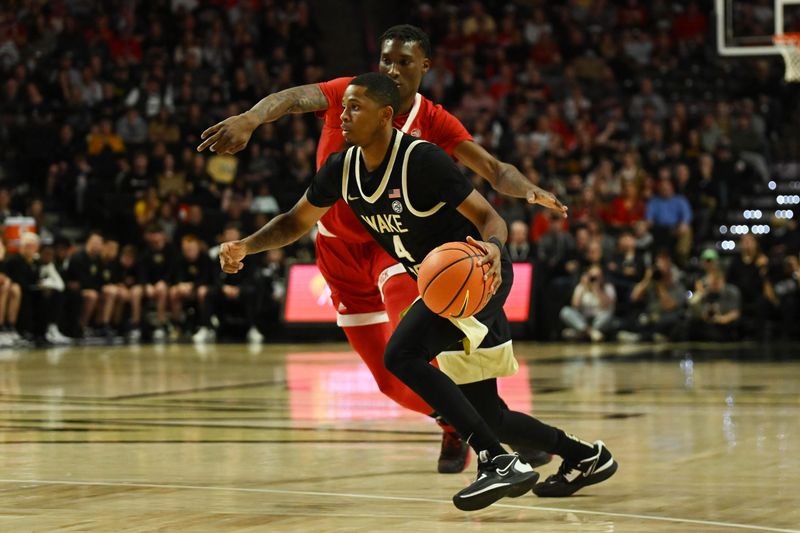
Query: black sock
x=572, y=448
x=519, y=428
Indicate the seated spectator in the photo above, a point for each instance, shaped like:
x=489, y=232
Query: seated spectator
x=51, y=289
x=749, y=273
x=129, y=294
x=714, y=312
x=10, y=298
x=661, y=296
x=109, y=291
x=234, y=294
x=41, y=302
x=669, y=217
x=191, y=280
x=519, y=248
x=625, y=210
x=264, y=202
x=156, y=270
x=625, y=269
x=787, y=290
x=195, y=224
x=706, y=196
x=591, y=311
x=84, y=277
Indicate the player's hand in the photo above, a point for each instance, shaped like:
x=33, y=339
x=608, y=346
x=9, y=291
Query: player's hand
x=548, y=200
x=231, y=254
x=491, y=258
x=229, y=136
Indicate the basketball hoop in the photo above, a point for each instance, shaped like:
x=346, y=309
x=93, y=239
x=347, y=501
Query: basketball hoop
x=789, y=45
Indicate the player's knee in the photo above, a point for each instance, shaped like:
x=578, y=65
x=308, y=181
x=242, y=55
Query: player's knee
x=396, y=356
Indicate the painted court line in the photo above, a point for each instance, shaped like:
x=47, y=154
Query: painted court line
x=393, y=498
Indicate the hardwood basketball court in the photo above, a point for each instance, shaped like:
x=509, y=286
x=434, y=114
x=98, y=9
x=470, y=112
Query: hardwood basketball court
x=296, y=438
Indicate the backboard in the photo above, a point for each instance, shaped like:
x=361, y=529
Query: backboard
x=746, y=27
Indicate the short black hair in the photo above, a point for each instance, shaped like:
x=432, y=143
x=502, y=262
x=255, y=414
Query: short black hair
x=408, y=34
x=380, y=88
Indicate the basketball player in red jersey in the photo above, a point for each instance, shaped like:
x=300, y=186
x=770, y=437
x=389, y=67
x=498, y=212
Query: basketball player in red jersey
x=368, y=287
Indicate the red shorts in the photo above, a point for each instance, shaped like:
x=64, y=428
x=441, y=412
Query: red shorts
x=355, y=273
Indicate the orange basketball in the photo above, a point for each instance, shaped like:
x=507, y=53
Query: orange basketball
x=451, y=282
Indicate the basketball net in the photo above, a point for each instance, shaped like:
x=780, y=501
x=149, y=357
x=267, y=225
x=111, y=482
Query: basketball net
x=789, y=45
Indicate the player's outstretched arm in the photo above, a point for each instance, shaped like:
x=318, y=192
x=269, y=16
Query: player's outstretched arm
x=504, y=177
x=493, y=229
x=282, y=230
x=232, y=134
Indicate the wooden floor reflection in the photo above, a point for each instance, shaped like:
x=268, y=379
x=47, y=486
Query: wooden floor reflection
x=297, y=439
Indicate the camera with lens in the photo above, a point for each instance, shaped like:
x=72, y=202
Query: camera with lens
x=657, y=275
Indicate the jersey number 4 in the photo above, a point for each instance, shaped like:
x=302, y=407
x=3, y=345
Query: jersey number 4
x=400, y=250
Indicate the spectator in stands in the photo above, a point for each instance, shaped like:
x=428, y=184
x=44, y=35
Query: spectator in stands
x=591, y=311
x=195, y=224
x=129, y=294
x=10, y=298
x=749, y=273
x=232, y=295
x=193, y=274
x=41, y=302
x=750, y=145
x=625, y=210
x=714, y=312
x=85, y=278
x=787, y=290
x=669, y=217
x=109, y=292
x=519, y=247
x=625, y=269
x=51, y=288
x=156, y=268
x=662, y=297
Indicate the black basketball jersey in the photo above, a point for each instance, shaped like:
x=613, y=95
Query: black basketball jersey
x=408, y=204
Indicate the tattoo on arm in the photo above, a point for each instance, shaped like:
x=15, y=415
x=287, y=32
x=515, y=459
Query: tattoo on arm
x=511, y=182
x=302, y=99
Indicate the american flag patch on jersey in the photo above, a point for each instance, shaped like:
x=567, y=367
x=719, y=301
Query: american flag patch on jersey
x=394, y=193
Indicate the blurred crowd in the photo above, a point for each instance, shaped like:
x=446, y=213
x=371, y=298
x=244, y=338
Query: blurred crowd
x=621, y=108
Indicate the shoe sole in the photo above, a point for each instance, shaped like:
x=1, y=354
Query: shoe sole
x=487, y=498
x=521, y=489
x=572, y=489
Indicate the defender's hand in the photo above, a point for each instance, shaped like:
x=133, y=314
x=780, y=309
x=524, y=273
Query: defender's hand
x=231, y=254
x=229, y=136
x=548, y=200
x=492, y=258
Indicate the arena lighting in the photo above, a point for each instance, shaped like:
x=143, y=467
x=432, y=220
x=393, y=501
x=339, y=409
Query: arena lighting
x=746, y=214
x=724, y=229
x=772, y=185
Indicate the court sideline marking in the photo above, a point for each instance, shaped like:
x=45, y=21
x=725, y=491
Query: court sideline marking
x=391, y=498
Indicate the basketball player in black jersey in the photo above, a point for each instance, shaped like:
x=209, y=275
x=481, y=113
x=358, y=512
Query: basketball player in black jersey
x=411, y=197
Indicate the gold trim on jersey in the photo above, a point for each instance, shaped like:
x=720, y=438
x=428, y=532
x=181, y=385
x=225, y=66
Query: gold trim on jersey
x=471, y=365
x=386, y=175
x=480, y=364
x=406, y=198
x=346, y=172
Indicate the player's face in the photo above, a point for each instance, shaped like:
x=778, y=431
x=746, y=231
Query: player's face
x=405, y=63
x=361, y=116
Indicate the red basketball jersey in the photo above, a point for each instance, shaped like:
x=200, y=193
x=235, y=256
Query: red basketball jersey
x=426, y=120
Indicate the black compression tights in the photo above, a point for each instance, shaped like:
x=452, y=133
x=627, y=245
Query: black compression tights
x=475, y=410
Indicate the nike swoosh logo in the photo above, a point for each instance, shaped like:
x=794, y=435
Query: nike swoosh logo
x=351, y=198
x=593, y=466
x=505, y=471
